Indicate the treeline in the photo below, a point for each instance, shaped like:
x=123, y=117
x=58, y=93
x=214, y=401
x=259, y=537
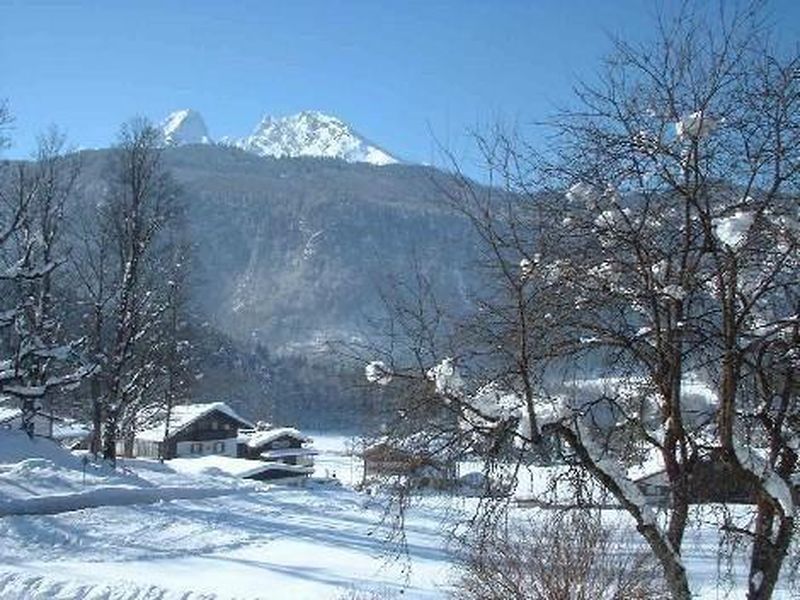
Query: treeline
x=93, y=285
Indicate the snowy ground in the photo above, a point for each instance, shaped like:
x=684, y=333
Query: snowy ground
x=211, y=536
x=190, y=532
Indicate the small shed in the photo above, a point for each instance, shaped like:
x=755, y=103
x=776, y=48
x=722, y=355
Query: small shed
x=711, y=480
x=386, y=459
x=193, y=430
x=44, y=423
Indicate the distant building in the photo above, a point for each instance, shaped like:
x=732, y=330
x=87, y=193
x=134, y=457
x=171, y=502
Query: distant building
x=68, y=432
x=283, y=450
x=44, y=424
x=386, y=459
x=711, y=480
x=193, y=430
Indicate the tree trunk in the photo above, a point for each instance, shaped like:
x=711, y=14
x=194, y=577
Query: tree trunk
x=667, y=555
x=110, y=437
x=769, y=551
x=97, y=417
x=28, y=417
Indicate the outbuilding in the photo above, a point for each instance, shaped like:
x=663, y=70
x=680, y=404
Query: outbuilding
x=283, y=451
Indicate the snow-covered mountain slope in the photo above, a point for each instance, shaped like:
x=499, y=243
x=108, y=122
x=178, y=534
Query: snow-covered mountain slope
x=309, y=133
x=185, y=127
x=312, y=133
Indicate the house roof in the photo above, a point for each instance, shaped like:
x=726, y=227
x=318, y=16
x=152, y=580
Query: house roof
x=70, y=429
x=10, y=413
x=182, y=416
x=260, y=438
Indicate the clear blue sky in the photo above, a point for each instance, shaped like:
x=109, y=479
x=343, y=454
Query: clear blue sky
x=399, y=71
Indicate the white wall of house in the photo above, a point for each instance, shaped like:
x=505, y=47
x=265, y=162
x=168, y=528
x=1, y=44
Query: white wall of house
x=217, y=447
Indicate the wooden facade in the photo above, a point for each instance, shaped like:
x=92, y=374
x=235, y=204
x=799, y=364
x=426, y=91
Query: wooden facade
x=383, y=459
x=214, y=431
x=710, y=481
x=282, y=442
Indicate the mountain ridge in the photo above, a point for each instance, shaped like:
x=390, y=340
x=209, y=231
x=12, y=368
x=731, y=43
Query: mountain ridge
x=309, y=133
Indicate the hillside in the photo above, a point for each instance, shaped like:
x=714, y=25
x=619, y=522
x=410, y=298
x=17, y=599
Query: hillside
x=290, y=253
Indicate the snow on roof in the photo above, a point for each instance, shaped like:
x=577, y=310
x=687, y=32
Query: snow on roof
x=70, y=428
x=236, y=467
x=284, y=452
x=260, y=438
x=184, y=415
x=9, y=413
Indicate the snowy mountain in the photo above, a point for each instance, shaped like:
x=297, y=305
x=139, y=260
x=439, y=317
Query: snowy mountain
x=309, y=133
x=312, y=133
x=185, y=127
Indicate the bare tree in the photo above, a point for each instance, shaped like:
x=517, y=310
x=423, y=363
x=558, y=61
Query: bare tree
x=165, y=357
x=140, y=202
x=652, y=248
x=92, y=264
x=176, y=363
x=41, y=357
x=5, y=123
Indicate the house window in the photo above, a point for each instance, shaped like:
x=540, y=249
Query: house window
x=226, y=426
x=196, y=448
x=215, y=425
x=219, y=446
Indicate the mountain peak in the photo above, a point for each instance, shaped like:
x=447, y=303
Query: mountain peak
x=185, y=126
x=307, y=133
x=312, y=133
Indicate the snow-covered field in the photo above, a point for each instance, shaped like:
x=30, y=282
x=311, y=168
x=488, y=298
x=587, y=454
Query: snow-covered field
x=188, y=531
x=211, y=536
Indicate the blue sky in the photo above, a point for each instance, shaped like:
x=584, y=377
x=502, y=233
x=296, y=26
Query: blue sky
x=401, y=72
